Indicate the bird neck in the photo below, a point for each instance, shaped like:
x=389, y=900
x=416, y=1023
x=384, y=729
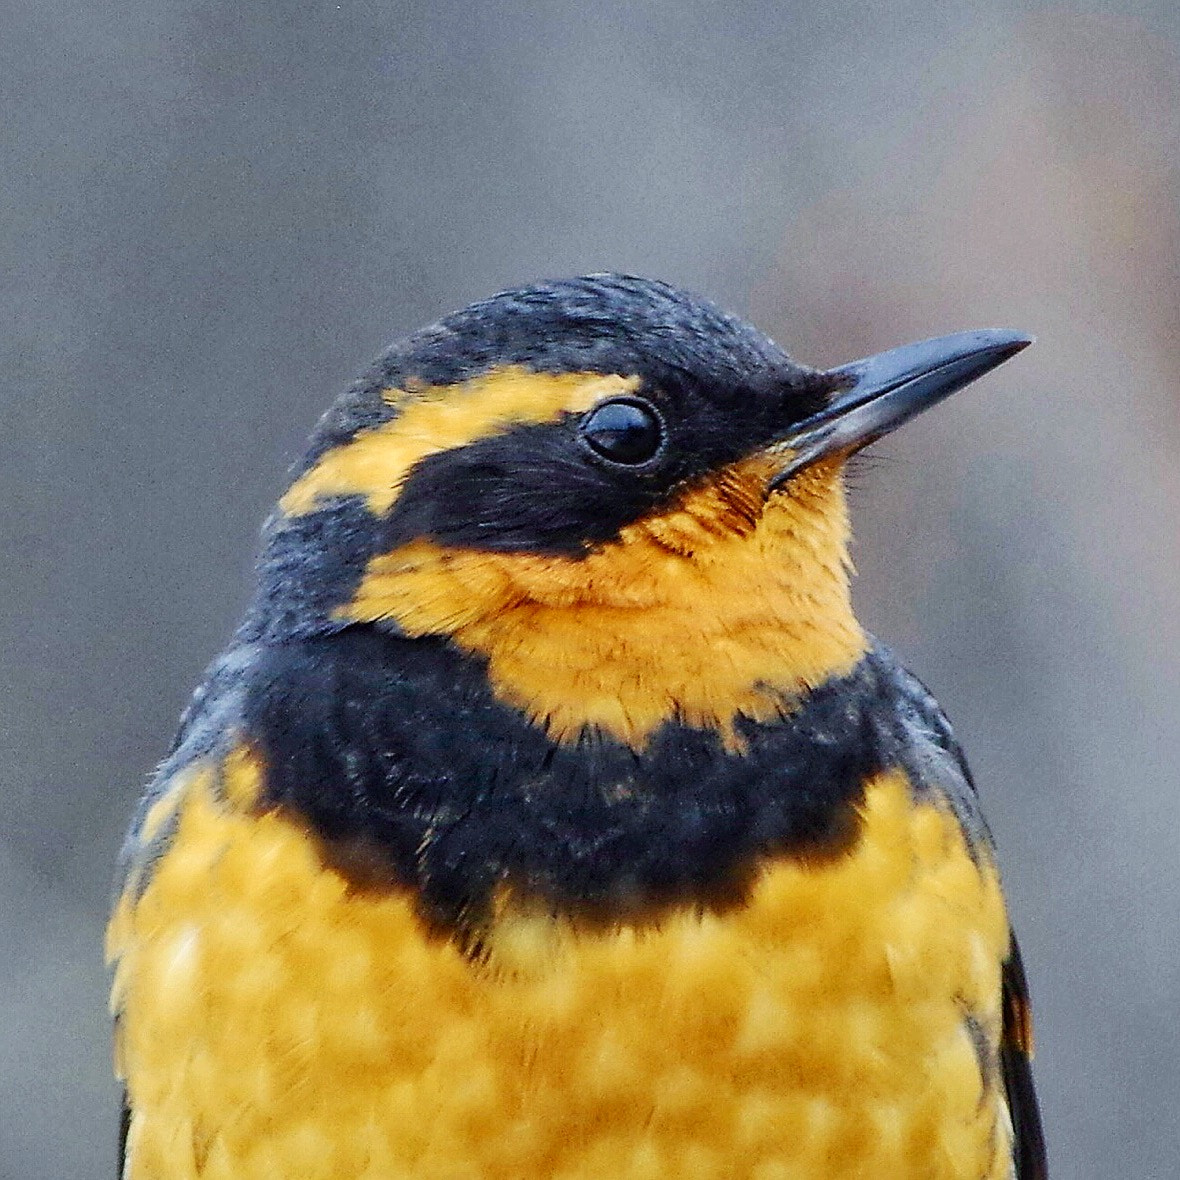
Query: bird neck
x=725, y=606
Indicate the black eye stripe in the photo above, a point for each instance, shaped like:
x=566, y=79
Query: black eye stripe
x=627, y=431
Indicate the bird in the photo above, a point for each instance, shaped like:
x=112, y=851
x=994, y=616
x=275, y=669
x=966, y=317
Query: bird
x=551, y=813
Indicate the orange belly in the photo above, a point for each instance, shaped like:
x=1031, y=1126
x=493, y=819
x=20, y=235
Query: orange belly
x=275, y=1022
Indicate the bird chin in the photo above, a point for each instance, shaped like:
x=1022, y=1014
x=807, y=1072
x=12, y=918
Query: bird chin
x=780, y=458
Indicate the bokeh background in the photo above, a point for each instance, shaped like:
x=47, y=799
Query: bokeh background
x=215, y=213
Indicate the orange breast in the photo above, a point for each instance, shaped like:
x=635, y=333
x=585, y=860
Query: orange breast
x=274, y=1022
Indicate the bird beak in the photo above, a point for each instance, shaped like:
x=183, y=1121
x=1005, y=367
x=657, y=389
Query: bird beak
x=877, y=394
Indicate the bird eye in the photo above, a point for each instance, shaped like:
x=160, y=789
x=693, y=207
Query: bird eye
x=623, y=431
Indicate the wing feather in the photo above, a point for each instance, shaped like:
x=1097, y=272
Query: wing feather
x=1016, y=1050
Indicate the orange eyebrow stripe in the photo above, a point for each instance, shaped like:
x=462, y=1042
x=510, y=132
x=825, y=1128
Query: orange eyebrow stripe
x=435, y=418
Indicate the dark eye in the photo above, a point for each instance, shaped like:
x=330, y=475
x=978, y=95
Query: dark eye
x=623, y=431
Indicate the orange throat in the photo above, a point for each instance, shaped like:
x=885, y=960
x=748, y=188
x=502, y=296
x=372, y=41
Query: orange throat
x=726, y=605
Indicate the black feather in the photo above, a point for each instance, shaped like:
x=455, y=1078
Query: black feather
x=1016, y=1063
x=124, y=1128
x=400, y=746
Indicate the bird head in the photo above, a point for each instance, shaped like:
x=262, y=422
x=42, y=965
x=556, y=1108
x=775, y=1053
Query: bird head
x=627, y=502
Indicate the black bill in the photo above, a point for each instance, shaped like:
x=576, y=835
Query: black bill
x=877, y=394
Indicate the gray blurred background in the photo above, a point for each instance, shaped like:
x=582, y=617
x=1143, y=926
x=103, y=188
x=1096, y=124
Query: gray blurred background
x=216, y=213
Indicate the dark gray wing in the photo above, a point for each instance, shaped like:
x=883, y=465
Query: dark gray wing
x=1016, y=1047
x=933, y=758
